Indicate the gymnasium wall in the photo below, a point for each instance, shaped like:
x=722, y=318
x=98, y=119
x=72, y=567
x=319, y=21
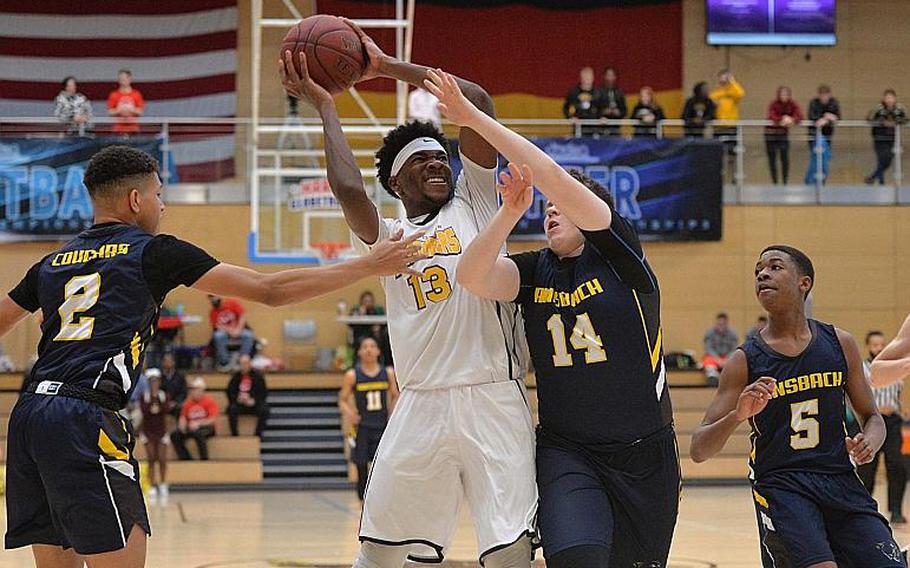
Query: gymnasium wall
x=860, y=255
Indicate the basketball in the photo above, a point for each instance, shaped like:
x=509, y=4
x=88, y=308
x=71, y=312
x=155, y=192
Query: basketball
x=335, y=56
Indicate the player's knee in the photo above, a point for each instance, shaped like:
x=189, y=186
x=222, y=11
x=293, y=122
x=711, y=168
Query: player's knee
x=516, y=555
x=586, y=556
x=373, y=555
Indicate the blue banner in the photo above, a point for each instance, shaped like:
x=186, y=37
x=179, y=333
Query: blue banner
x=41, y=191
x=669, y=189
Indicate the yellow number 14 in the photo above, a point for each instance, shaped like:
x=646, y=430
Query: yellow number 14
x=583, y=338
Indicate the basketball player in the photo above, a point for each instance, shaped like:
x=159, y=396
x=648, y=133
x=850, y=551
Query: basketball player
x=789, y=382
x=374, y=390
x=893, y=364
x=607, y=465
x=462, y=425
x=73, y=488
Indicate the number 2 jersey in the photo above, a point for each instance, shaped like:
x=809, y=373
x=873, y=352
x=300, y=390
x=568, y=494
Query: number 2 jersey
x=100, y=296
x=441, y=334
x=802, y=428
x=593, y=327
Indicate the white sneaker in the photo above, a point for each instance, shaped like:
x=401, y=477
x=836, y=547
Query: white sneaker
x=153, y=494
x=164, y=490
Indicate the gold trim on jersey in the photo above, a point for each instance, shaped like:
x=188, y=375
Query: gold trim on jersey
x=135, y=349
x=655, y=350
x=759, y=499
x=373, y=386
x=107, y=446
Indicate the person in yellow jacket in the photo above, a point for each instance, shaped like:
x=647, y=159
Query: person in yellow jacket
x=726, y=97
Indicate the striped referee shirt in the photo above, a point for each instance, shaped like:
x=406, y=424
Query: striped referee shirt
x=885, y=396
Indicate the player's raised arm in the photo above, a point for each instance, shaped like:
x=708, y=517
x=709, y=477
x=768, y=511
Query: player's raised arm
x=893, y=363
x=863, y=446
x=734, y=403
x=389, y=257
x=482, y=270
x=587, y=211
x=343, y=172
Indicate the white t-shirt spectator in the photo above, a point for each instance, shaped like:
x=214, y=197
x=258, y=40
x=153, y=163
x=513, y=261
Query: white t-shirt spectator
x=422, y=106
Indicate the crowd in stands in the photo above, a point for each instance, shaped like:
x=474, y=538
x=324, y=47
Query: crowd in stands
x=125, y=103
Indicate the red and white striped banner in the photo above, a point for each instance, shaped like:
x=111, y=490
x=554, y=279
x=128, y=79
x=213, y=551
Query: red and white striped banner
x=183, y=57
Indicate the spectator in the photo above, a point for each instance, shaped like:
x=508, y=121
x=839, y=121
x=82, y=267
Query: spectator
x=888, y=400
x=154, y=405
x=73, y=108
x=229, y=322
x=247, y=394
x=612, y=102
x=699, y=111
x=760, y=324
x=824, y=112
x=6, y=364
x=173, y=382
x=785, y=113
x=885, y=119
x=726, y=97
x=367, y=306
x=126, y=103
x=422, y=106
x=582, y=102
x=197, y=421
x=720, y=343
x=648, y=113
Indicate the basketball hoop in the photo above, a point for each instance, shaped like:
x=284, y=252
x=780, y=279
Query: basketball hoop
x=330, y=250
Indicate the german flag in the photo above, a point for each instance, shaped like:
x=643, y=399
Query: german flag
x=528, y=54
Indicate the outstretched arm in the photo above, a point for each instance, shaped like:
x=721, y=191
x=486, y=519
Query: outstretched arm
x=863, y=446
x=893, y=363
x=586, y=210
x=343, y=172
x=11, y=313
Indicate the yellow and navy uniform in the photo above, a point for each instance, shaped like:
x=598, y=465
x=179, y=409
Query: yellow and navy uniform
x=607, y=464
x=810, y=505
x=72, y=480
x=371, y=393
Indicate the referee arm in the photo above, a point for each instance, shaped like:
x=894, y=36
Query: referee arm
x=893, y=363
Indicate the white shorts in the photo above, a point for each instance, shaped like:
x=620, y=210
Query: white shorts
x=475, y=441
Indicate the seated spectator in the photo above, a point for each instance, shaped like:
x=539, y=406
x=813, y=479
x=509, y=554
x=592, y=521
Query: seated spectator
x=785, y=113
x=73, y=108
x=582, y=102
x=229, y=322
x=885, y=119
x=155, y=404
x=760, y=324
x=720, y=342
x=125, y=103
x=648, y=113
x=698, y=112
x=247, y=394
x=367, y=306
x=173, y=382
x=6, y=364
x=197, y=421
x=422, y=106
x=612, y=102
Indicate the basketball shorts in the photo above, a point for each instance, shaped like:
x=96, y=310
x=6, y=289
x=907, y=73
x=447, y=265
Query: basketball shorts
x=443, y=445
x=805, y=518
x=71, y=479
x=625, y=500
x=366, y=444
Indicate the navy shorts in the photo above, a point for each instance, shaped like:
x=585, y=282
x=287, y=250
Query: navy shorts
x=366, y=444
x=71, y=479
x=625, y=501
x=805, y=518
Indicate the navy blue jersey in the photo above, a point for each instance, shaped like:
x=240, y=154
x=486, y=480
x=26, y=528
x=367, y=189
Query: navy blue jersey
x=593, y=328
x=372, y=396
x=100, y=296
x=802, y=428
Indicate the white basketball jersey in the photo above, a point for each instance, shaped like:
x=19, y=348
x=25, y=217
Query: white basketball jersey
x=441, y=334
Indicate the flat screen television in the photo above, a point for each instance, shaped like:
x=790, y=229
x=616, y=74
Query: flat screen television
x=771, y=22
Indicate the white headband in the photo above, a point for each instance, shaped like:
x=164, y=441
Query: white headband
x=416, y=145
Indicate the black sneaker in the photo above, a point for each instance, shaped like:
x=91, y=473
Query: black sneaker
x=898, y=519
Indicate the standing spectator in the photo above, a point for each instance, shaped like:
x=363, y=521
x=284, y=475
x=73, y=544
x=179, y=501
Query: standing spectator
x=720, y=342
x=173, y=382
x=699, y=111
x=885, y=119
x=824, y=112
x=726, y=97
x=888, y=400
x=612, y=102
x=648, y=113
x=760, y=324
x=785, y=113
x=197, y=421
x=126, y=103
x=155, y=405
x=229, y=322
x=422, y=106
x=247, y=394
x=73, y=108
x=582, y=102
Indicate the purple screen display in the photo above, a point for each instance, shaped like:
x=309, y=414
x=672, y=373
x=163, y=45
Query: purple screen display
x=732, y=16
x=771, y=16
x=804, y=16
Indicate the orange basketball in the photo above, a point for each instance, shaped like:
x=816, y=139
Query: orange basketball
x=335, y=56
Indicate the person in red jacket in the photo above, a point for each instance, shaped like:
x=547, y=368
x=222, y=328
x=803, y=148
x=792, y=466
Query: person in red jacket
x=784, y=113
x=126, y=103
x=197, y=421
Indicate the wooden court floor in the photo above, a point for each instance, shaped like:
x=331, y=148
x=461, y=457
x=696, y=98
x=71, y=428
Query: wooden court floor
x=319, y=528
